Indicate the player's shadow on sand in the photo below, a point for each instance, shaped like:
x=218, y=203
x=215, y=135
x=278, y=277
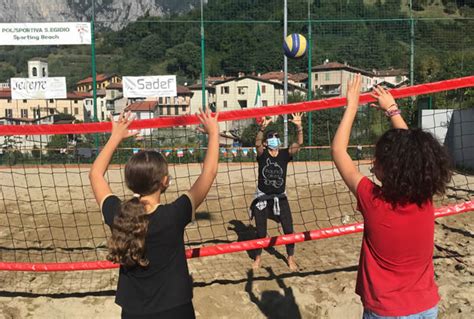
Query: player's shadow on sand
x=248, y=232
x=272, y=303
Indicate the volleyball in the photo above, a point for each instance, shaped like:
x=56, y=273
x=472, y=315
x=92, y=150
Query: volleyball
x=295, y=46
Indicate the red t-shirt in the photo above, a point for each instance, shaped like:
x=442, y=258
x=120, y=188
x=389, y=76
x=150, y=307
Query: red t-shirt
x=396, y=273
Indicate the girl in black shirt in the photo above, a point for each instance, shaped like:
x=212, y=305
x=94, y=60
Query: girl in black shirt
x=270, y=199
x=147, y=237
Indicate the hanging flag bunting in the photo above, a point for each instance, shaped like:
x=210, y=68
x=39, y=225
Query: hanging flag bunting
x=223, y=150
x=234, y=152
x=245, y=151
x=180, y=153
x=135, y=150
x=254, y=150
x=167, y=153
x=191, y=151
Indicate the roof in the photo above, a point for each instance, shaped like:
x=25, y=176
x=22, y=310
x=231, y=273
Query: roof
x=330, y=66
x=38, y=59
x=100, y=77
x=198, y=86
x=279, y=75
x=391, y=72
x=183, y=90
x=277, y=84
x=213, y=79
x=299, y=77
x=142, y=106
x=5, y=94
x=116, y=86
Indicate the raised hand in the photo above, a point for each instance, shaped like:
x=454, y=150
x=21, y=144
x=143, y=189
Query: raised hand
x=265, y=121
x=353, y=91
x=385, y=99
x=297, y=119
x=120, y=127
x=209, y=122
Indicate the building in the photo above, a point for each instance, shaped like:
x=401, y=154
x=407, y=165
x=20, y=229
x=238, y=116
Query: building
x=391, y=78
x=102, y=82
x=241, y=93
x=38, y=68
x=196, y=98
x=297, y=79
x=330, y=78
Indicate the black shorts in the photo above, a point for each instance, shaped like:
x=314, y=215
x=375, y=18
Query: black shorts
x=185, y=311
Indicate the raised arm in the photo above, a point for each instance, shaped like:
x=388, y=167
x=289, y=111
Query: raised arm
x=204, y=182
x=100, y=187
x=259, y=138
x=349, y=172
x=387, y=103
x=295, y=147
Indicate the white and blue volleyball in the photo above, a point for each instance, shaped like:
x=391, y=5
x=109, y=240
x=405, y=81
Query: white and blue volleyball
x=295, y=46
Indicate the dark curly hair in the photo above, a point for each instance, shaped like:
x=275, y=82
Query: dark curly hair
x=144, y=173
x=412, y=166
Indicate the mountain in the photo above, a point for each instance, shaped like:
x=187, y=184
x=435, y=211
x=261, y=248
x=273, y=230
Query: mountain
x=113, y=14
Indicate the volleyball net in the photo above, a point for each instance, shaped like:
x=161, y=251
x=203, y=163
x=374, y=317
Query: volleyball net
x=49, y=220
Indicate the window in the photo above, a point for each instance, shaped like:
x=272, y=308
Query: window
x=242, y=90
x=44, y=72
x=243, y=104
x=102, y=115
x=161, y=110
x=51, y=111
x=316, y=76
x=264, y=103
x=176, y=110
x=327, y=76
x=65, y=110
x=51, y=101
x=24, y=101
x=75, y=101
x=168, y=110
x=9, y=100
x=168, y=101
x=183, y=108
x=225, y=104
x=35, y=71
x=160, y=100
x=264, y=89
x=8, y=113
x=102, y=103
x=76, y=111
x=225, y=90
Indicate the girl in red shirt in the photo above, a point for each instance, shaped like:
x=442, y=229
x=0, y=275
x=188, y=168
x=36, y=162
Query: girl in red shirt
x=396, y=275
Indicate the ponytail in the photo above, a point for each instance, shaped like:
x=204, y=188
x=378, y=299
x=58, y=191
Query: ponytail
x=127, y=244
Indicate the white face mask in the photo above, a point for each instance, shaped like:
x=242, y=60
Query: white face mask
x=273, y=143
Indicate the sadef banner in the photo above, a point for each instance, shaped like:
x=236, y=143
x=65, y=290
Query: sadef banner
x=38, y=89
x=149, y=86
x=51, y=33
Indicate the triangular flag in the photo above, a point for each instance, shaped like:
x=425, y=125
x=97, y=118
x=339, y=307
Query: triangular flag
x=234, y=152
x=191, y=151
x=167, y=153
x=245, y=151
x=135, y=150
x=254, y=150
x=180, y=153
x=258, y=97
x=223, y=150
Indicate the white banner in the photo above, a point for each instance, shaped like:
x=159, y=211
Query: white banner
x=51, y=33
x=149, y=86
x=38, y=89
